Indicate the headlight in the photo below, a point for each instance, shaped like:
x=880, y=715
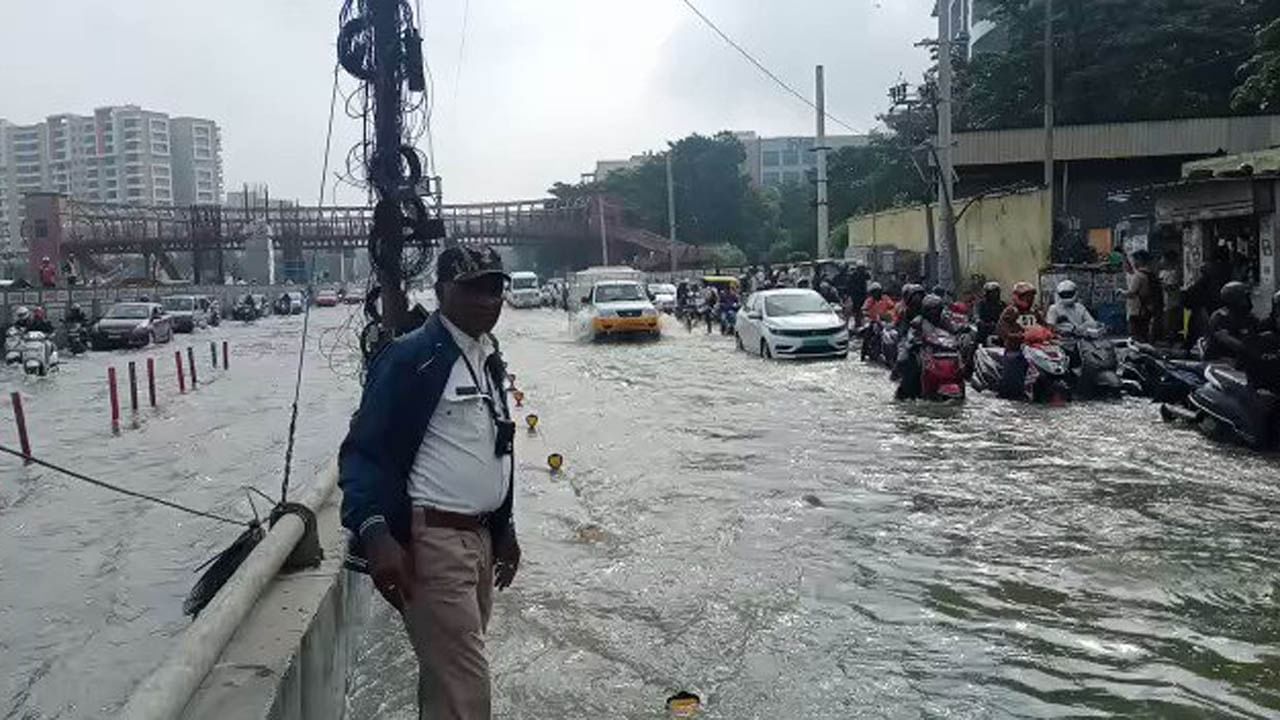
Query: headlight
x=649, y=312
x=141, y=327
x=605, y=313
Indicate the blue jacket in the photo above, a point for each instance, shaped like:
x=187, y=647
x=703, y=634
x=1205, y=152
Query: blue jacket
x=402, y=388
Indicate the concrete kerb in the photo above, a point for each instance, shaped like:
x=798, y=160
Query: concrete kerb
x=167, y=691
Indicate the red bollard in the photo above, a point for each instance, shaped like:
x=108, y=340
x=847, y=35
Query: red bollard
x=191, y=364
x=133, y=386
x=115, y=400
x=151, y=381
x=226, y=363
x=182, y=380
x=20, y=418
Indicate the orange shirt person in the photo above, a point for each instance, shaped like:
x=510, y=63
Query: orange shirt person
x=877, y=306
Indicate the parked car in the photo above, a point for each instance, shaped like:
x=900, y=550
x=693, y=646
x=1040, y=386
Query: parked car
x=791, y=323
x=187, y=312
x=326, y=298
x=352, y=296
x=132, y=324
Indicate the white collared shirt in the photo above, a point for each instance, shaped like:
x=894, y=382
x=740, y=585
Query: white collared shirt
x=456, y=469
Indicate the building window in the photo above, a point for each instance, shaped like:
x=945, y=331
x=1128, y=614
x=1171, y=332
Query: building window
x=41, y=227
x=771, y=179
x=791, y=177
x=770, y=158
x=790, y=157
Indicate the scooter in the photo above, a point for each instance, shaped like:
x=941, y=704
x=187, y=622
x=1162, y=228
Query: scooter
x=13, y=346
x=1047, y=371
x=870, y=332
x=1227, y=407
x=39, y=355
x=1147, y=372
x=1093, y=361
x=941, y=368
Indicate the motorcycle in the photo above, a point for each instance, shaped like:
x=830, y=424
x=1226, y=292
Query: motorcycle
x=870, y=333
x=941, y=368
x=1228, y=407
x=77, y=338
x=888, y=346
x=1147, y=372
x=244, y=313
x=1047, y=371
x=1093, y=360
x=13, y=346
x=39, y=355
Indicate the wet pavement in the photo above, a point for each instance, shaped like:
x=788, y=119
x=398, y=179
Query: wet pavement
x=92, y=583
x=785, y=541
x=780, y=538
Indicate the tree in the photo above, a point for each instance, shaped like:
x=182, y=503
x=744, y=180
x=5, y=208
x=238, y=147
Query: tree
x=1115, y=60
x=1260, y=89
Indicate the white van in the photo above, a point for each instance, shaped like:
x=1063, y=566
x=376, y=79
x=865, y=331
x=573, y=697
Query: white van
x=523, y=292
x=613, y=301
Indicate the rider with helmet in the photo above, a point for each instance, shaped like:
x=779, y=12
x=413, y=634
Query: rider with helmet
x=931, y=316
x=987, y=311
x=75, y=314
x=1020, y=315
x=1232, y=326
x=40, y=322
x=1067, y=308
x=878, y=307
x=22, y=318
x=907, y=310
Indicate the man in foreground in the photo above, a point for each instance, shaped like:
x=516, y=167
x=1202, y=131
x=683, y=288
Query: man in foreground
x=426, y=472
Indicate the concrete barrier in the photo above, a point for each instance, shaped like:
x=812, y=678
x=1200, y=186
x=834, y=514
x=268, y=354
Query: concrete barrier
x=290, y=658
x=277, y=649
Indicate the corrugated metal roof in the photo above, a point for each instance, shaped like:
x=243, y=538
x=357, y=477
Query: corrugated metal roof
x=1199, y=136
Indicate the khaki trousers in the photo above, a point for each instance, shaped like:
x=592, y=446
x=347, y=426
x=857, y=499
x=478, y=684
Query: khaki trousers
x=452, y=599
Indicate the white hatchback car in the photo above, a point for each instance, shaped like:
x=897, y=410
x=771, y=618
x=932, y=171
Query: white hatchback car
x=791, y=323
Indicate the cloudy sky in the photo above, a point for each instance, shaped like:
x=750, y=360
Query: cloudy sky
x=534, y=91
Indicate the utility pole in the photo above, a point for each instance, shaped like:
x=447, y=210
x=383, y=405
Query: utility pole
x=824, y=219
x=948, y=264
x=671, y=211
x=604, y=234
x=1048, y=112
x=384, y=166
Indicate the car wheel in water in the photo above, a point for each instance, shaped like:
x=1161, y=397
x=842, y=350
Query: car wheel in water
x=764, y=350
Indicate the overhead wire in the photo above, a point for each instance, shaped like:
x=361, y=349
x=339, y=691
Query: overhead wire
x=761, y=67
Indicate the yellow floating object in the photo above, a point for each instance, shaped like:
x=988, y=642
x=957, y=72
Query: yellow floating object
x=684, y=704
x=555, y=461
x=531, y=420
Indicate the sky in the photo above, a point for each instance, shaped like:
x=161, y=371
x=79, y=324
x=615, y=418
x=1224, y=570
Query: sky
x=533, y=91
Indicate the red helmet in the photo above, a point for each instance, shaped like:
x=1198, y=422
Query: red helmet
x=1024, y=294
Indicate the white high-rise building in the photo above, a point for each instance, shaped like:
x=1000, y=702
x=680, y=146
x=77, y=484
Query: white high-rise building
x=122, y=154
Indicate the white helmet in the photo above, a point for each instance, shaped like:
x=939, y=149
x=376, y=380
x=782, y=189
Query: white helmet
x=22, y=314
x=1067, y=293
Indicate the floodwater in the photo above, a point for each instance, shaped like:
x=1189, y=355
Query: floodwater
x=92, y=583
x=781, y=539
x=785, y=541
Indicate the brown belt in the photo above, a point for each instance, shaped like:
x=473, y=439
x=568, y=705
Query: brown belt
x=455, y=521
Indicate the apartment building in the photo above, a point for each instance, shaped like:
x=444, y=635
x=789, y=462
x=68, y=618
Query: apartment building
x=122, y=154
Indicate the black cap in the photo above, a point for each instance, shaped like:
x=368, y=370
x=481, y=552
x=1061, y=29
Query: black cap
x=464, y=263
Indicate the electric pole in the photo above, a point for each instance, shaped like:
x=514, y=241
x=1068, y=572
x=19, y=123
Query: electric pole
x=1048, y=112
x=604, y=234
x=671, y=211
x=948, y=265
x=820, y=148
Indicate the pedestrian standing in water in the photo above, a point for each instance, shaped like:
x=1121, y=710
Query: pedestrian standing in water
x=427, y=472
x=1171, y=287
x=1138, y=297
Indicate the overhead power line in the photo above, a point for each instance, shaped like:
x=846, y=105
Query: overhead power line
x=760, y=66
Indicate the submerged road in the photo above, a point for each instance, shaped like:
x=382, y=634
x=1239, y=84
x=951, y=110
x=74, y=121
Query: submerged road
x=780, y=538
x=92, y=583
x=787, y=542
